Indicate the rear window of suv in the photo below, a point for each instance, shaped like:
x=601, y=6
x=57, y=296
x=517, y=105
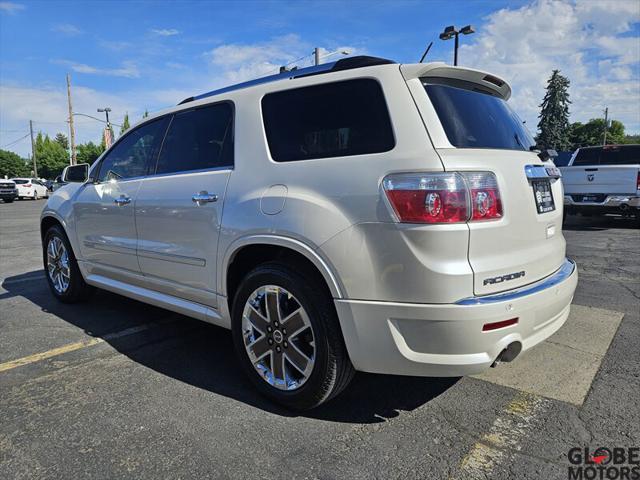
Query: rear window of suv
x=475, y=118
x=609, y=155
x=329, y=120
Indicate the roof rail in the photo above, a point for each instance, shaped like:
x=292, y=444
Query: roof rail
x=349, y=63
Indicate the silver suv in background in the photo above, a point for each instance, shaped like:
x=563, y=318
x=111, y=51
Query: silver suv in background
x=358, y=215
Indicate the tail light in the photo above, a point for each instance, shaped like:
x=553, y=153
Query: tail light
x=27, y=185
x=485, y=196
x=444, y=197
x=428, y=198
x=638, y=182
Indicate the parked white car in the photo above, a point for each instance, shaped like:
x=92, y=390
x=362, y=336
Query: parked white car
x=357, y=215
x=603, y=180
x=30, y=188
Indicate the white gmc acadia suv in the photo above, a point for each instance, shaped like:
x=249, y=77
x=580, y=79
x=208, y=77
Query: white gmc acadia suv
x=358, y=215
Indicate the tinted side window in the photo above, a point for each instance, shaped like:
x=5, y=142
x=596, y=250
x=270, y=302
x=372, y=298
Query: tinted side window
x=135, y=153
x=329, y=120
x=198, y=139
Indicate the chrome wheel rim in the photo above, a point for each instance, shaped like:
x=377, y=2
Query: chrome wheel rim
x=58, y=264
x=278, y=337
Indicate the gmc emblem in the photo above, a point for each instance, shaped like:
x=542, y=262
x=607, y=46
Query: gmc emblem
x=504, y=278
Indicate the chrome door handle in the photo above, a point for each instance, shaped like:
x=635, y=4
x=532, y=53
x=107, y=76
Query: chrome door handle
x=122, y=200
x=204, y=197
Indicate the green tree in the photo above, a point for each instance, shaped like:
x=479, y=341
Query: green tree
x=554, y=114
x=51, y=156
x=125, y=124
x=62, y=139
x=13, y=165
x=88, y=152
x=592, y=133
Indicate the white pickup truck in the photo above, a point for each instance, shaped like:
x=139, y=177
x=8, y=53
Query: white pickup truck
x=603, y=180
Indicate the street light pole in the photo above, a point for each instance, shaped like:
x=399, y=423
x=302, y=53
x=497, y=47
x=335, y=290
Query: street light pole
x=451, y=32
x=318, y=57
x=455, y=51
x=72, y=131
x=107, y=137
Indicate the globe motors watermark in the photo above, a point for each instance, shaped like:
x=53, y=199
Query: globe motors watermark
x=604, y=463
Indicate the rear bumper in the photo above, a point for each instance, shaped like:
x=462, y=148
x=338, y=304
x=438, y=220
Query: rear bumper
x=611, y=201
x=447, y=340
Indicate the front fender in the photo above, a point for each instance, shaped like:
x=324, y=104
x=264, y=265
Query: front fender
x=60, y=206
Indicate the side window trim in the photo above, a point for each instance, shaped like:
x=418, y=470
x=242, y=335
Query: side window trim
x=228, y=142
x=105, y=155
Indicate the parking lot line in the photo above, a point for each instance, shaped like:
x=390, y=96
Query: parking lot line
x=70, y=347
x=502, y=438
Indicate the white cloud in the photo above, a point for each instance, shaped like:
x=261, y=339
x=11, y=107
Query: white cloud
x=127, y=69
x=47, y=107
x=114, y=45
x=67, y=29
x=165, y=32
x=10, y=7
x=240, y=62
x=580, y=39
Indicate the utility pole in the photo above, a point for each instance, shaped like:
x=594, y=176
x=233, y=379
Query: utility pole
x=33, y=150
x=606, y=124
x=316, y=55
x=72, y=133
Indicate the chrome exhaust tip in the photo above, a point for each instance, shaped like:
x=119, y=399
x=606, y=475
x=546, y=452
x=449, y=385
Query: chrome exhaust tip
x=508, y=354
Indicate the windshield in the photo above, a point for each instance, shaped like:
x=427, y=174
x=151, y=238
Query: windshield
x=20, y=182
x=474, y=119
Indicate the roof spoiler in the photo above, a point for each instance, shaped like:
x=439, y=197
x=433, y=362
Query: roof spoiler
x=496, y=85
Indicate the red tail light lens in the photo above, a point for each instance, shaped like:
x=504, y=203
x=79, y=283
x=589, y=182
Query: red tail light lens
x=486, y=203
x=27, y=185
x=428, y=198
x=638, y=182
x=444, y=197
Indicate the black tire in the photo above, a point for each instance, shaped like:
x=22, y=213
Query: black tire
x=78, y=290
x=8, y=200
x=332, y=370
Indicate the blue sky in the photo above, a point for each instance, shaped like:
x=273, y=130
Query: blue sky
x=133, y=56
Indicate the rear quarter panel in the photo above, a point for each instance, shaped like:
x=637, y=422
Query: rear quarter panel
x=313, y=201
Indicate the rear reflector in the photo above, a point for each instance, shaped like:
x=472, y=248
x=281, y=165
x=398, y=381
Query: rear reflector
x=487, y=327
x=454, y=197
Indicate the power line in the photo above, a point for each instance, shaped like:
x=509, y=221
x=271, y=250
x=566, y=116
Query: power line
x=16, y=141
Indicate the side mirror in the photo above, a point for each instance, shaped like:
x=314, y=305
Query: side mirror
x=76, y=173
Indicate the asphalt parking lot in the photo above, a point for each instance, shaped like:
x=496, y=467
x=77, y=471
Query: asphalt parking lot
x=117, y=389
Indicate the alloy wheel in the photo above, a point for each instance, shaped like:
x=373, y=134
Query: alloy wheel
x=58, y=267
x=278, y=337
